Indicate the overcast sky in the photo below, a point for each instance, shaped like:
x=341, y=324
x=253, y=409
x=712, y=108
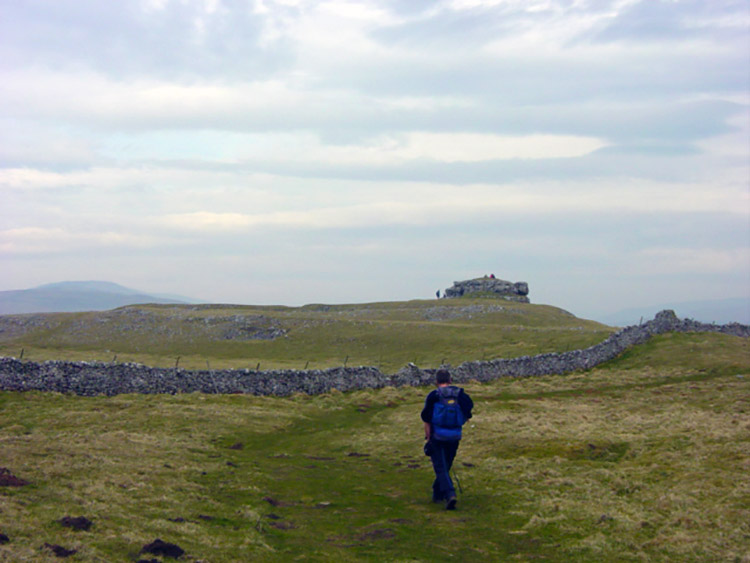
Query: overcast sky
x=291, y=151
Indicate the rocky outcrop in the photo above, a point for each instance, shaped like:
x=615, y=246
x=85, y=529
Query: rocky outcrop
x=490, y=287
x=88, y=379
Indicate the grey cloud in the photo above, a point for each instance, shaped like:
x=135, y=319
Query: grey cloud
x=627, y=100
x=357, y=118
x=119, y=39
x=662, y=21
x=650, y=82
x=645, y=74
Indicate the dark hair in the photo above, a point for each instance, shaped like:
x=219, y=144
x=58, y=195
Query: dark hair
x=443, y=376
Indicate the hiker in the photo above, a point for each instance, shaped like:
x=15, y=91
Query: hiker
x=445, y=411
x=437, y=294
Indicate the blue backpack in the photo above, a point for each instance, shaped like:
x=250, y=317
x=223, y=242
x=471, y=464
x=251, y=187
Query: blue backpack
x=447, y=416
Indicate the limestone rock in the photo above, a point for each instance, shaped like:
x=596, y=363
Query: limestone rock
x=490, y=286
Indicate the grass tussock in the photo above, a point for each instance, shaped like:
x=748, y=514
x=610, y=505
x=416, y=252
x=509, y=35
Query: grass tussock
x=629, y=462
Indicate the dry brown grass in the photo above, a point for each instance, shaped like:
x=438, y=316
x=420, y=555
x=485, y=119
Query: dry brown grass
x=622, y=463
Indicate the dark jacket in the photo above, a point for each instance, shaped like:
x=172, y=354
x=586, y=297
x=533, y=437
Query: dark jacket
x=464, y=401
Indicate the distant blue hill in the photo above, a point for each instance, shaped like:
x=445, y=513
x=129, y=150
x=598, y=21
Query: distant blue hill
x=720, y=311
x=75, y=296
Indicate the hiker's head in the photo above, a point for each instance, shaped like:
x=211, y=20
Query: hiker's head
x=442, y=377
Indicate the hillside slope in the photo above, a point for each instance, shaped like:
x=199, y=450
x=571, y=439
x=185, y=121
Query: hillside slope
x=639, y=460
x=386, y=335
x=75, y=296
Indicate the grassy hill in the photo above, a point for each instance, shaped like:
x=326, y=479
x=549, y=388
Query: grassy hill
x=77, y=296
x=645, y=458
x=385, y=335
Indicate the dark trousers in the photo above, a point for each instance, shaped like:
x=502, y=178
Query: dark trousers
x=444, y=451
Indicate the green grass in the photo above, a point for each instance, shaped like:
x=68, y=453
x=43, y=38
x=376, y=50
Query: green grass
x=385, y=335
x=646, y=458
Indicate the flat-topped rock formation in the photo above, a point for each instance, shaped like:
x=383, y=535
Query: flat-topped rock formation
x=490, y=287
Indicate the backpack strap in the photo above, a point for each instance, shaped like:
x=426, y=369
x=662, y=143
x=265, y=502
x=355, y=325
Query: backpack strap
x=449, y=392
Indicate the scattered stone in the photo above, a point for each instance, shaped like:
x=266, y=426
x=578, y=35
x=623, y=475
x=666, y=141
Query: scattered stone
x=400, y=521
x=324, y=504
x=179, y=519
x=275, y=502
x=7, y=479
x=272, y=501
x=237, y=446
x=357, y=454
x=378, y=534
x=77, y=523
x=230, y=464
x=148, y=561
x=605, y=518
x=159, y=547
x=59, y=550
x=319, y=458
x=465, y=464
x=205, y=517
x=4, y=539
x=273, y=516
x=283, y=525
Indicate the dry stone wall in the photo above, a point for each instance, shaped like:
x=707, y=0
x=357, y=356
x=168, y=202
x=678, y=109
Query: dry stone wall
x=93, y=378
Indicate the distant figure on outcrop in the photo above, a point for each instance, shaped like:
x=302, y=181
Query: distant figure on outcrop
x=445, y=411
x=492, y=276
x=437, y=294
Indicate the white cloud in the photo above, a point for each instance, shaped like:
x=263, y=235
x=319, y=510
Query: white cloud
x=574, y=141
x=473, y=147
x=35, y=240
x=389, y=150
x=93, y=98
x=434, y=205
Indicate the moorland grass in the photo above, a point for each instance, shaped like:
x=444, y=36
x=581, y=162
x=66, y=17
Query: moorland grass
x=646, y=458
x=384, y=335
